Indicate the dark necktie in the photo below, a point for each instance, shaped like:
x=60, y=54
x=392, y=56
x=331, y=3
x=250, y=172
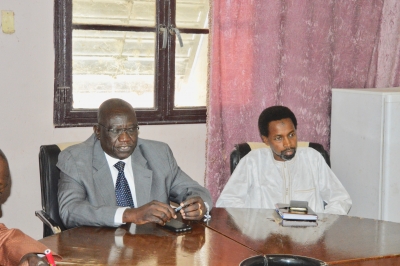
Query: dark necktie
x=122, y=191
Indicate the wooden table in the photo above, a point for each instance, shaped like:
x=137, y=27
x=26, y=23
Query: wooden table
x=337, y=239
x=231, y=236
x=146, y=245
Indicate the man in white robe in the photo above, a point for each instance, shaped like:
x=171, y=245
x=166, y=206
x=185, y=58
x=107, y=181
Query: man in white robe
x=283, y=172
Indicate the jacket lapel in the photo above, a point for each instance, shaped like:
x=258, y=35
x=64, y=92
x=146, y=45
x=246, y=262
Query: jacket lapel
x=102, y=176
x=142, y=175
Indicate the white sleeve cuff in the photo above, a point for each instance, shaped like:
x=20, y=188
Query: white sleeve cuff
x=118, y=216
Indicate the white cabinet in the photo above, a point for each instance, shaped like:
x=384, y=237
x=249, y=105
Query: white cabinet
x=365, y=149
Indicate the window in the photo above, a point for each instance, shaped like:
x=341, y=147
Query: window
x=151, y=53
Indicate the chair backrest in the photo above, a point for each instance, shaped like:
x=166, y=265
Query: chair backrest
x=242, y=149
x=49, y=176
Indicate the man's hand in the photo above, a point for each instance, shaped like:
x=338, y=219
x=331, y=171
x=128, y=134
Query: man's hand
x=32, y=260
x=193, y=208
x=152, y=212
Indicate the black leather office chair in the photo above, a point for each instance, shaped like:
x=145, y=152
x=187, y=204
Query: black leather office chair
x=242, y=149
x=49, y=176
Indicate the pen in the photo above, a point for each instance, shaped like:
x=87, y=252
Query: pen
x=49, y=257
x=178, y=209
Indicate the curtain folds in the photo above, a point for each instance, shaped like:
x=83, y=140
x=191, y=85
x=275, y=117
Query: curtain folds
x=269, y=52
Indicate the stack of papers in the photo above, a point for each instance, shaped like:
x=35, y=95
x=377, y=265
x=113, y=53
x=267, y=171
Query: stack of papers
x=296, y=218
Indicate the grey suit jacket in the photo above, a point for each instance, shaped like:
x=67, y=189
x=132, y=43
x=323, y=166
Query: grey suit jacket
x=86, y=191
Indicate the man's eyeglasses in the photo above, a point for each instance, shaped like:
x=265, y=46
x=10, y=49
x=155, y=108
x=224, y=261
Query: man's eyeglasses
x=115, y=132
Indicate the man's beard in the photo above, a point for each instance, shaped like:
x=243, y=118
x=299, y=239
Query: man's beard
x=286, y=157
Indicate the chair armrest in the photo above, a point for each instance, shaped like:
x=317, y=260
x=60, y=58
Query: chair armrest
x=45, y=218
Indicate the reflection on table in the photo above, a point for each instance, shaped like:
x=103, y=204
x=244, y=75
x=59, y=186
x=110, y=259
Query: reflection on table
x=338, y=239
x=146, y=245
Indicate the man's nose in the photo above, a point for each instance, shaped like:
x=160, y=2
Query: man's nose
x=286, y=143
x=124, y=136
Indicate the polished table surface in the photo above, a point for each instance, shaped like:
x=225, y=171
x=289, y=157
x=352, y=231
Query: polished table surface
x=146, y=245
x=231, y=236
x=338, y=239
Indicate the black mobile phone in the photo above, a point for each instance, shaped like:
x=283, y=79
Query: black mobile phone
x=177, y=226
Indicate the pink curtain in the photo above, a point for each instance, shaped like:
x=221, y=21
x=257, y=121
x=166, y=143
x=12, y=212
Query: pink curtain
x=385, y=66
x=269, y=52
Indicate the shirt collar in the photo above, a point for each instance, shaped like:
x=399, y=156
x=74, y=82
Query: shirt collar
x=112, y=160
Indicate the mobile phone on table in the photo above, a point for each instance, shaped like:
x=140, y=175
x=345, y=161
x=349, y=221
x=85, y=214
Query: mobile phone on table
x=177, y=226
x=298, y=206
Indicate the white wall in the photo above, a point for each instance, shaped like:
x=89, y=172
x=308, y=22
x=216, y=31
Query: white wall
x=26, y=113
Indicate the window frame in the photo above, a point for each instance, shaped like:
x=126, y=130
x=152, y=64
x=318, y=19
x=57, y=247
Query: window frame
x=164, y=111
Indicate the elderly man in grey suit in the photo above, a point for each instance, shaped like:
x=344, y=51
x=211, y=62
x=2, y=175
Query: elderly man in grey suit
x=114, y=177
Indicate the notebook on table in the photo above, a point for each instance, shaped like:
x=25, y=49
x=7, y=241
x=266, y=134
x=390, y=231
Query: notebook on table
x=289, y=213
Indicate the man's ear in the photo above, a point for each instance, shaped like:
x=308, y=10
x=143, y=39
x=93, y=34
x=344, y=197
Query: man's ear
x=265, y=140
x=96, y=131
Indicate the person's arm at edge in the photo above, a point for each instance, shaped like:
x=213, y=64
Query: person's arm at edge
x=17, y=246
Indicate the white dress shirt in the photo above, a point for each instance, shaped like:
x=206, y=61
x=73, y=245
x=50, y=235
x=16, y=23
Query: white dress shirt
x=129, y=177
